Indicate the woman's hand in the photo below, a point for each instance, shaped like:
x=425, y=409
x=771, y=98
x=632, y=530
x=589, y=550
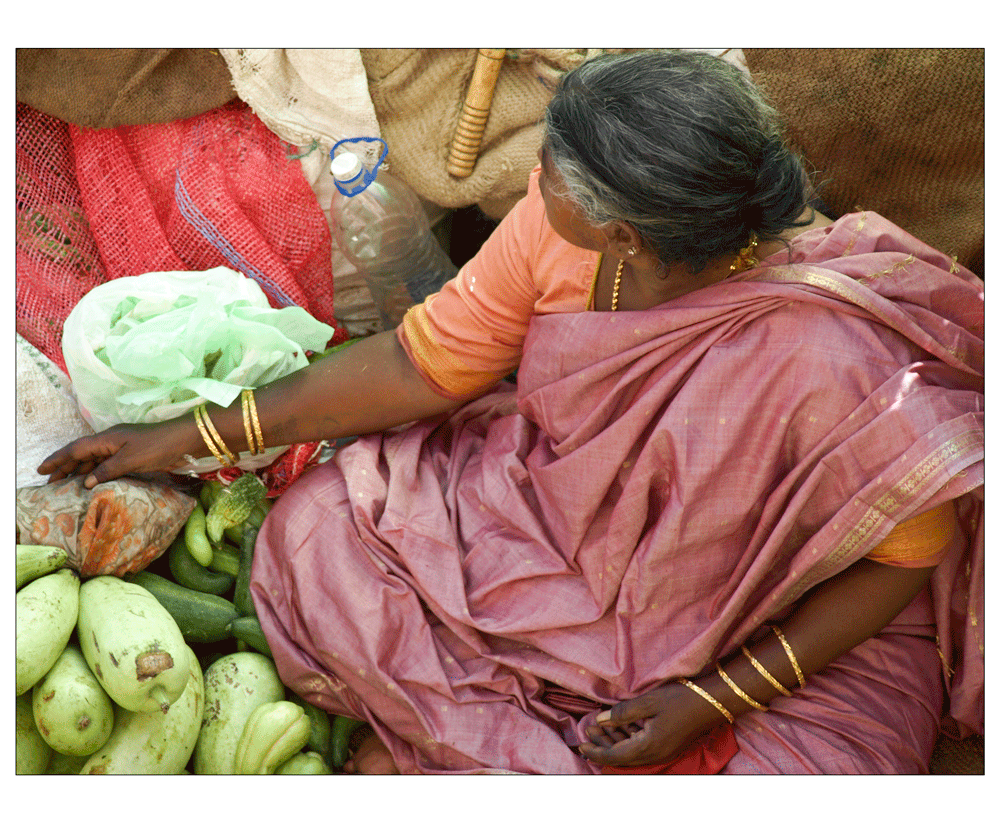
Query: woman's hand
x=658, y=726
x=125, y=449
x=651, y=729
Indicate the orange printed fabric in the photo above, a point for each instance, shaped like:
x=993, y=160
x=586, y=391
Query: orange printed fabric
x=470, y=334
x=119, y=527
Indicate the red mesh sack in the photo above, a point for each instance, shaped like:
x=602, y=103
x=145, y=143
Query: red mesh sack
x=218, y=189
x=56, y=257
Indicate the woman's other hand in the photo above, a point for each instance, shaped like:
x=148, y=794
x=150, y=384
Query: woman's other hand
x=124, y=449
x=652, y=729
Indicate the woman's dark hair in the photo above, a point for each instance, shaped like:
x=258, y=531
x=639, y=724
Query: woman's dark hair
x=679, y=144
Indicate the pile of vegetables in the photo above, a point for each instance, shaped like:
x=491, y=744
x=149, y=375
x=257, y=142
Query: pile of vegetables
x=166, y=670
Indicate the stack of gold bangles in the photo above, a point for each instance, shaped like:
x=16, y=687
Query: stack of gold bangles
x=760, y=668
x=251, y=426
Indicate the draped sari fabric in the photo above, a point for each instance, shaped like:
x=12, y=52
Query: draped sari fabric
x=661, y=484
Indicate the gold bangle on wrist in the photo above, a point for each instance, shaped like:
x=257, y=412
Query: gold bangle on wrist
x=212, y=438
x=791, y=656
x=206, y=437
x=739, y=692
x=250, y=415
x=728, y=715
x=764, y=672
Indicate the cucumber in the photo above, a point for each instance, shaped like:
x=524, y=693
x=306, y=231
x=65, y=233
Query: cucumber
x=46, y=611
x=32, y=753
x=320, y=727
x=72, y=711
x=132, y=644
x=235, y=685
x=258, y=513
x=209, y=491
x=195, y=536
x=241, y=594
x=226, y=560
x=249, y=631
x=201, y=617
x=34, y=561
x=155, y=742
x=192, y=575
x=234, y=534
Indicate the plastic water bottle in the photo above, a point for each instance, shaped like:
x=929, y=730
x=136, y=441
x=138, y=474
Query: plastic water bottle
x=383, y=230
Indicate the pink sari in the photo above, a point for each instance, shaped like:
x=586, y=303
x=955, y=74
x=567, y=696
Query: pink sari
x=661, y=484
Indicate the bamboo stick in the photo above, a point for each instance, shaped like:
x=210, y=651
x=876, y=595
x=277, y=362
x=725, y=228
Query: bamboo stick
x=472, y=121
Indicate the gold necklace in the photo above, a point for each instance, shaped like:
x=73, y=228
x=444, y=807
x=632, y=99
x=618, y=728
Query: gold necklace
x=618, y=282
x=744, y=260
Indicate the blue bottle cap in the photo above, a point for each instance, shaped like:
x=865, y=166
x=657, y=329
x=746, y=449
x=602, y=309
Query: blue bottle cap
x=349, y=174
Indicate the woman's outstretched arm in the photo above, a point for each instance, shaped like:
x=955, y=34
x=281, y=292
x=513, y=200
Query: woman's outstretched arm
x=366, y=387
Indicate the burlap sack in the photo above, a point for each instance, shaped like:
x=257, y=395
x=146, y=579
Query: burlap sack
x=898, y=131
x=103, y=88
x=966, y=756
x=418, y=96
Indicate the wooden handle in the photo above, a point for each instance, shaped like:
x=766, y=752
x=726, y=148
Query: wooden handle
x=472, y=121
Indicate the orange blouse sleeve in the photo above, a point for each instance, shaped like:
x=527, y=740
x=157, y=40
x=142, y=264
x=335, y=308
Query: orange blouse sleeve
x=920, y=541
x=470, y=334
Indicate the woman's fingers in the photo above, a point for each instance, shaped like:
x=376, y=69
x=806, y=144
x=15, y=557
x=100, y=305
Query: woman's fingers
x=599, y=737
x=68, y=460
x=109, y=469
x=631, y=711
x=605, y=736
x=63, y=470
x=629, y=751
x=614, y=745
x=97, y=457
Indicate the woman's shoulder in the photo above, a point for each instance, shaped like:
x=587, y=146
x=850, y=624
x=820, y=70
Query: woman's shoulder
x=562, y=273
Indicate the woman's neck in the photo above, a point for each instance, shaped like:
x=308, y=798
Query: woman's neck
x=645, y=282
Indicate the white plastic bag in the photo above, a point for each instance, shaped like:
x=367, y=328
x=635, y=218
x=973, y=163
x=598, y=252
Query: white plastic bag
x=152, y=347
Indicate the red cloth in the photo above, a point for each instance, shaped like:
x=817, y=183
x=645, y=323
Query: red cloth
x=280, y=474
x=708, y=755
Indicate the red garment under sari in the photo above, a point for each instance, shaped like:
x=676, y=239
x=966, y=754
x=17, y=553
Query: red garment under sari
x=662, y=484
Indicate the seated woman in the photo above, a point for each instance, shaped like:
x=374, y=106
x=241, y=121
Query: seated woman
x=729, y=520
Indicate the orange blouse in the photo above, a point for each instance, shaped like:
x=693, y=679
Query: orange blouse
x=469, y=335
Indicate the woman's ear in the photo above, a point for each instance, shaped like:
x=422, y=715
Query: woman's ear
x=623, y=240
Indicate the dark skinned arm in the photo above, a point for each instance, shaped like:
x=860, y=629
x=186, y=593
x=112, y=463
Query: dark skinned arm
x=366, y=387
x=835, y=617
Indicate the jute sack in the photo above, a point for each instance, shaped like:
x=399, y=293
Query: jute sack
x=418, y=95
x=897, y=131
x=105, y=88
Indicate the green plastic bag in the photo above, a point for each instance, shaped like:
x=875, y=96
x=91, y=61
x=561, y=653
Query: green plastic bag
x=152, y=347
